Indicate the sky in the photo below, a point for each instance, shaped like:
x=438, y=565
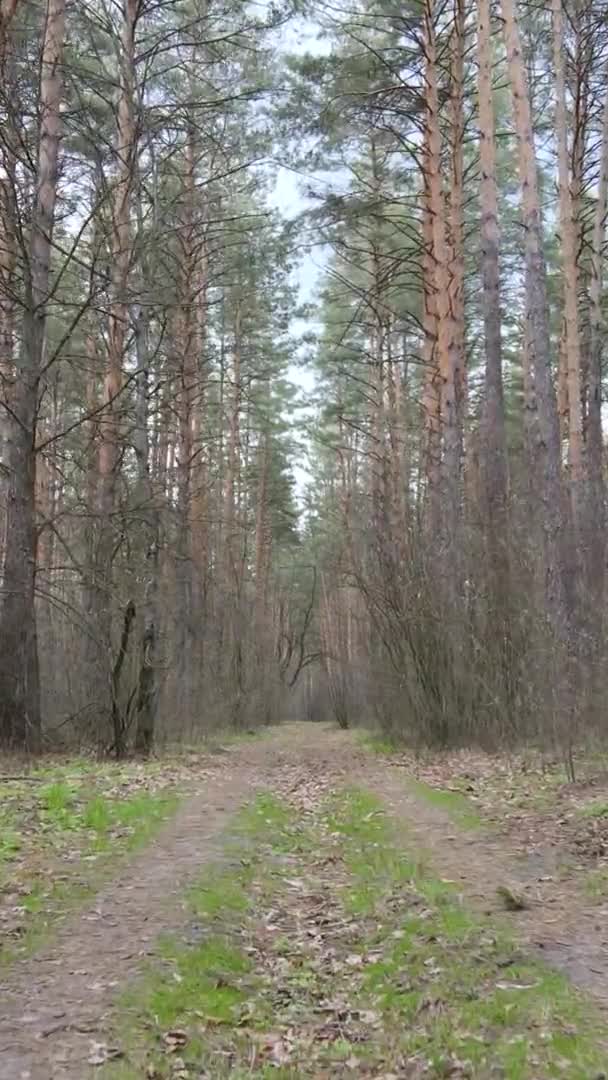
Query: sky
x=300, y=36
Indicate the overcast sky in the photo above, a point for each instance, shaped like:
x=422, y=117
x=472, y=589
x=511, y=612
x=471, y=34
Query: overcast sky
x=300, y=37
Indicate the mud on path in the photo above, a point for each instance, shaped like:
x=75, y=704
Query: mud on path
x=56, y=1004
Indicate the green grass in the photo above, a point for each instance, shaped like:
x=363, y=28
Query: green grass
x=56, y=798
x=58, y=810
x=378, y=744
x=200, y=984
x=455, y=804
x=97, y=816
x=490, y=1007
x=10, y=843
x=219, y=893
x=596, y=809
x=143, y=814
x=596, y=883
x=59, y=817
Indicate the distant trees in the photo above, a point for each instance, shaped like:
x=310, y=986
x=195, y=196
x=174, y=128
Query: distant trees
x=144, y=314
x=447, y=575
x=20, y=719
x=476, y=617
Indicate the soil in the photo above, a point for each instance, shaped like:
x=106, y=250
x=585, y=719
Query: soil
x=56, y=1005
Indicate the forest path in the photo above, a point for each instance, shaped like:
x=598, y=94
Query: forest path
x=56, y=1005
x=558, y=923
x=53, y=1004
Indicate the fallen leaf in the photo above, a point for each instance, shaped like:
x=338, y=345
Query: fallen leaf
x=175, y=1039
x=511, y=900
x=368, y=1016
x=100, y=1053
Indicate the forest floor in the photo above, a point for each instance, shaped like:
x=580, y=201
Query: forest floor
x=303, y=904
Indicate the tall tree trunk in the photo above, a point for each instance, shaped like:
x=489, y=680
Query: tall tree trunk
x=199, y=501
x=20, y=720
x=447, y=329
x=48, y=482
x=8, y=251
x=187, y=342
x=263, y=542
x=8, y=262
x=494, y=457
x=398, y=479
x=456, y=210
x=378, y=457
x=232, y=483
x=233, y=540
x=147, y=692
x=431, y=390
x=568, y=230
x=147, y=504
x=110, y=421
x=93, y=691
x=595, y=447
x=537, y=330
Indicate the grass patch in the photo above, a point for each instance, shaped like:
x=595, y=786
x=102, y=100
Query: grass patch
x=200, y=984
x=273, y=821
x=10, y=843
x=378, y=744
x=453, y=803
x=45, y=901
x=596, y=809
x=59, y=839
x=596, y=883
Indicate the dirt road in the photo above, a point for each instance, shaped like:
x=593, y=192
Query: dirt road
x=56, y=1004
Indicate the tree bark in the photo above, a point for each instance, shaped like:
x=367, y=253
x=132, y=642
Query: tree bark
x=147, y=694
x=110, y=446
x=568, y=230
x=8, y=251
x=537, y=330
x=456, y=212
x=263, y=542
x=20, y=720
x=493, y=417
x=431, y=389
x=595, y=446
x=447, y=329
x=199, y=497
x=189, y=343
